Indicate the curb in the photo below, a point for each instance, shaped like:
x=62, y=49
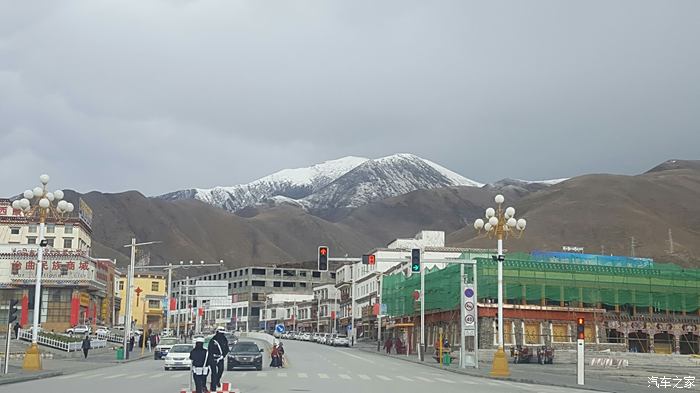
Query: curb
x=29, y=377
x=511, y=379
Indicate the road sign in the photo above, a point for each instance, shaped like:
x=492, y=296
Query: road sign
x=349, y=329
x=279, y=328
x=469, y=306
x=469, y=292
x=384, y=309
x=469, y=331
x=469, y=319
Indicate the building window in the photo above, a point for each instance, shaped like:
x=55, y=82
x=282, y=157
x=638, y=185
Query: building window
x=277, y=284
x=14, y=231
x=302, y=284
x=121, y=285
x=302, y=273
x=258, y=272
x=32, y=228
x=31, y=240
x=67, y=243
x=316, y=274
x=50, y=228
x=153, y=304
x=68, y=229
x=257, y=283
x=288, y=284
x=49, y=241
x=155, y=286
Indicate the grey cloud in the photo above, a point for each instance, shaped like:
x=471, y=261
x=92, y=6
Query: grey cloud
x=163, y=95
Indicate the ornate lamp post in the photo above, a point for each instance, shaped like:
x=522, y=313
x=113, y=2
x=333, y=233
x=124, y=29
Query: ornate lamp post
x=500, y=223
x=38, y=204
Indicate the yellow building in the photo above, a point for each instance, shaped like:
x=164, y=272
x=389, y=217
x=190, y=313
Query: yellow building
x=152, y=290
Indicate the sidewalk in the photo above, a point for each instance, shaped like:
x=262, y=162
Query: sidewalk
x=562, y=375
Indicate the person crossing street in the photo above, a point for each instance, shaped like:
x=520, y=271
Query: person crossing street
x=200, y=365
x=218, y=349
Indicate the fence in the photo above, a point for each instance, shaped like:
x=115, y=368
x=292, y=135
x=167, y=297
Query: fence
x=26, y=335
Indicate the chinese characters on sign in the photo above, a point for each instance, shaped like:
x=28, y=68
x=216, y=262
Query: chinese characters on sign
x=671, y=382
x=52, y=269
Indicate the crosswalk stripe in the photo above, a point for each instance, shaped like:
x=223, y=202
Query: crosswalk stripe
x=283, y=375
x=93, y=376
x=323, y=376
x=136, y=376
x=262, y=374
x=468, y=382
x=444, y=380
x=424, y=379
x=302, y=375
x=401, y=377
x=363, y=376
x=155, y=376
x=344, y=376
x=115, y=376
x=383, y=378
x=243, y=374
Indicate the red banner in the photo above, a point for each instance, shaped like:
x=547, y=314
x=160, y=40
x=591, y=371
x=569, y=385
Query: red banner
x=24, y=316
x=74, y=310
x=173, y=304
x=332, y=314
x=375, y=309
x=201, y=312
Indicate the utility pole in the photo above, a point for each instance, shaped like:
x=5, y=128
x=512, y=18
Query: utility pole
x=670, y=241
x=632, y=245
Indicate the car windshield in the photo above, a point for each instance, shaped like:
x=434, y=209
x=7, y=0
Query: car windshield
x=245, y=347
x=181, y=348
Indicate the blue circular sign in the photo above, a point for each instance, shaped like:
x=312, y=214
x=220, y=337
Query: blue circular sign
x=279, y=328
x=469, y=292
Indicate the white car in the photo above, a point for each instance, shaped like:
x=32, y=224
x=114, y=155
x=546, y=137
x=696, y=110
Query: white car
x=102, y=331
x=306, y=337
x=163, y=347
x=79, y=330
x=341, y=341
x=166, y=332
x=178, y=357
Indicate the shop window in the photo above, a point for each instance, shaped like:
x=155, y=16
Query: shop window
x=153, y=304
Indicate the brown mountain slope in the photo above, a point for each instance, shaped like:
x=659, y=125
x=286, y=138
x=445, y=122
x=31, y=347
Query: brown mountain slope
x=606, y=211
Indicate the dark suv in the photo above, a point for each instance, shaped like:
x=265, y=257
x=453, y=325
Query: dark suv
x=245, y=354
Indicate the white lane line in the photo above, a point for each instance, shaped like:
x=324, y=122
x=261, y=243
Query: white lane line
x=243, y=374
x=115, y=376
x=136, y=376
x=261, y=374
x=354, y=356
x=444, y=380
x=468, y=382
x=424, y=379
x=176, y=376
x=302, y=375
x=282, y=375
x=156, y=376
x=401, y=377
x=344, y=376
x=94, y=375
x=363, y=376
x=71, y=376
x=383, y=378
x=323, y=376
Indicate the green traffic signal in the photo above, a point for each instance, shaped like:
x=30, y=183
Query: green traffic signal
x=415, y=260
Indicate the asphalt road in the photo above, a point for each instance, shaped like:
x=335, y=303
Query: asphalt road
x=311, y=368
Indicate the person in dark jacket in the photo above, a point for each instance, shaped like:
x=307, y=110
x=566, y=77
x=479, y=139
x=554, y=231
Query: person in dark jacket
x=131, y=343
x=218, y=349
x=16, y=329
x=200, y=365
x=86, y=345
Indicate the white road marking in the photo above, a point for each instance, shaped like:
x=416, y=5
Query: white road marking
x=302, y=375
x=354, y=356
x=71, y=376
x=424, y=379
x=156, y=376
x=323, y=376
x=115, y=376
x=383, y=378
x=401, y=377
x=261, y=374
x=468, y=382
x=444, y=380
x=344, y=376
x=282, y=375
x=176, y=376
x=136, y=376
x=243, y=374
x=363, y=376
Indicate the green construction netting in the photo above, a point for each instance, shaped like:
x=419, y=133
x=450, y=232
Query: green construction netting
x=663, y=287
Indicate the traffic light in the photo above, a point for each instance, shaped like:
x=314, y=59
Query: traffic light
x=323, y=258
x=368, y=260
x=580, y=329
x=372, y=260
x=12, y=311
x=415, y=260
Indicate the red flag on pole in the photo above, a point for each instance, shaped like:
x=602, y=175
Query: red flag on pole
x=173, y=304
x=24, y=317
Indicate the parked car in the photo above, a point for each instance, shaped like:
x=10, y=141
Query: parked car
x=331, y=338
x=245, y=354
x=178, y=357
x=102, y=331
x=79, y=330
x=305, y=337
x=166, y=332
x=315, y=337
x=341, y=341
x=163, y=347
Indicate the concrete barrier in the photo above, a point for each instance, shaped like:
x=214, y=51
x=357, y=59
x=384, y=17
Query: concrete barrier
x=226, y=387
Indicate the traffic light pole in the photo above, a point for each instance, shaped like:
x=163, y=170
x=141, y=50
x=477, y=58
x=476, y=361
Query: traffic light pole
x=421, y=347
x=579, y=361
x=7, y=349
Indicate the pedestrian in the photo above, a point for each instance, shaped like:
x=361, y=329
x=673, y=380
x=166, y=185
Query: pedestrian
x=131, y=343
x=86, y=345
x=200, y=365
x=218, y=349
x=275, y=357
x=16, y=329
x=280, y=349
x=388, y=345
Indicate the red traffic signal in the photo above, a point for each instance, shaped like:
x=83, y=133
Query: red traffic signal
x=323, y=258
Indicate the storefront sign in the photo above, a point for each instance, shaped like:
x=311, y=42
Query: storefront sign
x=52, y=270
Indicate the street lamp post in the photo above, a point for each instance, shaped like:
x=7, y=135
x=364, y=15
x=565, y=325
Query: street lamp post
x=500, y=223
x=42, y=209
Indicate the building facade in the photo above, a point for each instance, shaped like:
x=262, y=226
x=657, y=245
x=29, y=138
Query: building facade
x=148, y=302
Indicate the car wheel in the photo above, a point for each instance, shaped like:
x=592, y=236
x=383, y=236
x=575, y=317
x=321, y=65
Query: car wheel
x=259, y=368
x=165, y=368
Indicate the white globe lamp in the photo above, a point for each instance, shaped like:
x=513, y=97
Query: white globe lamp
x=490, y=212
x=499, y=199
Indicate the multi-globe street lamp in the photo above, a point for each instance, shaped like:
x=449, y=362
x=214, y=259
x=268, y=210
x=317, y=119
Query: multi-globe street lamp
x=500, y=223
x=40, y=204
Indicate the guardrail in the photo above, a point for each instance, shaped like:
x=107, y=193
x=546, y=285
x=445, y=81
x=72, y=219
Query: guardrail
x=26, y=335
x=112, y=338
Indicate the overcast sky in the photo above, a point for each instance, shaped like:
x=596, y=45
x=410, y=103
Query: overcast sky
x=163, y=95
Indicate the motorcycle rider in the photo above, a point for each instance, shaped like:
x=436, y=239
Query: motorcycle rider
x=218, y=349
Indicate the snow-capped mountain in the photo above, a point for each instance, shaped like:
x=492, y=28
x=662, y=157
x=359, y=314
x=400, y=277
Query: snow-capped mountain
x=522, y=187
x=384, y=178
x=292, y=184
